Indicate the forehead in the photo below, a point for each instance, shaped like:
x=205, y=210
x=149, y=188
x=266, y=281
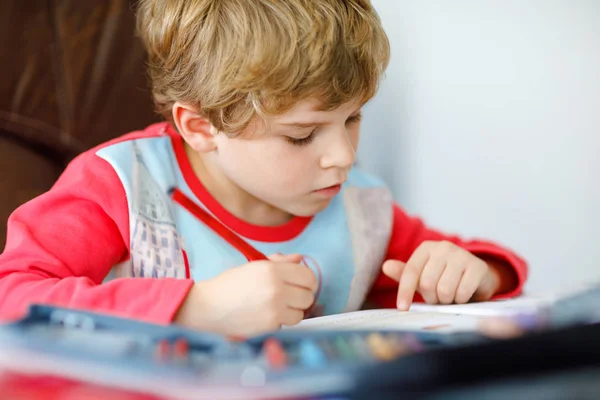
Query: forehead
x=313, y=108
x=307, y=112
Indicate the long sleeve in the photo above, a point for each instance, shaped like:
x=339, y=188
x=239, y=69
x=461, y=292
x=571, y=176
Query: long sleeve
x=62, y=244
x=409, y=232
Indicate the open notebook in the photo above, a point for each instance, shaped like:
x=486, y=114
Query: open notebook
x=522, y=304
x=438, y=318
x=392, y=319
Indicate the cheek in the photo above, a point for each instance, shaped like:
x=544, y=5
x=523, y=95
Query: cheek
x=354, y=134
x=265, y=164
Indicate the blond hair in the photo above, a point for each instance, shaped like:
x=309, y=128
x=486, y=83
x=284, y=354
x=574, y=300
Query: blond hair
x=233, y=59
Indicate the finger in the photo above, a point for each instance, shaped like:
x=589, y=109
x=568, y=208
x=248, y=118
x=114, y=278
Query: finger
x=298, y=275
x=291, y=258
x=292, y=316
x=393, y=269
x=428, y=282
x=410, y=277
x=472, y=279
x=450, y=280
x=299, y=298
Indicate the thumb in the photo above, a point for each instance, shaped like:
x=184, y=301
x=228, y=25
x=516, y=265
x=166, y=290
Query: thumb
x=291, y=258
x=393, y=269
x=488, y=287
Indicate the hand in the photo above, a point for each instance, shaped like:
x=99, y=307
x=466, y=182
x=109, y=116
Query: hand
x=251, y=299
x=500, y=328
x=443, y=273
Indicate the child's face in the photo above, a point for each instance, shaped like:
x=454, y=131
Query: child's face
x=295, y=161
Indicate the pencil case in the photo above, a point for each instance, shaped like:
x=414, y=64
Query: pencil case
x=182, y=363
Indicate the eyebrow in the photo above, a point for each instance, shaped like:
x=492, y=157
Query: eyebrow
x=303, y=124
x=315, y=123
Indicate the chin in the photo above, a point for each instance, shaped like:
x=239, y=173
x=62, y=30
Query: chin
x=305, y=214
x=309, y=211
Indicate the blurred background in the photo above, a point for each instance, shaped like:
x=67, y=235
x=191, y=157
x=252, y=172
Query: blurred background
x=487, y=123
x=72, y=76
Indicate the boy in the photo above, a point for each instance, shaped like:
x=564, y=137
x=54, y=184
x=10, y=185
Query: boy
x=263, y=101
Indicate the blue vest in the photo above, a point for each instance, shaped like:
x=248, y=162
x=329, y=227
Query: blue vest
x=348, y=240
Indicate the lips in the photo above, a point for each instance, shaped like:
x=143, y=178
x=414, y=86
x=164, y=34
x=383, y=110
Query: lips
x=329, y=191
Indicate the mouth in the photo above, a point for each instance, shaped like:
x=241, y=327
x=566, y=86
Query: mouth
x=329, y=191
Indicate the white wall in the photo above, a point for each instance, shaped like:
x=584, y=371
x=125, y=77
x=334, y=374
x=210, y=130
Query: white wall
x=488, y=124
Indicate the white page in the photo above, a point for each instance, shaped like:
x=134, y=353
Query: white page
x=438, y=318
x=391, y=319
x=526, y=303
x=523, y=304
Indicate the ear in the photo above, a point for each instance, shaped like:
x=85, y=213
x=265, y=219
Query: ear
x=194, y=128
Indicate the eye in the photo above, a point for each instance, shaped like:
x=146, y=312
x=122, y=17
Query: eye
x=303, y=141
x=354, y=118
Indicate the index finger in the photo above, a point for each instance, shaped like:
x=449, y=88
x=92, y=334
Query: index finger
x=298, y=275
x=291, y=258
x=409, y=280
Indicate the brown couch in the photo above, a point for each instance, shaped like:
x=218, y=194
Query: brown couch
x=72, y=76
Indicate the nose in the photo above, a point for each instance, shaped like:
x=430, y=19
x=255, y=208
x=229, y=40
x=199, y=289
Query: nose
x=340, y=151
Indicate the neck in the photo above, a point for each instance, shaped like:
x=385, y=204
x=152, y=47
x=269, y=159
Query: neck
x=232, y=197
